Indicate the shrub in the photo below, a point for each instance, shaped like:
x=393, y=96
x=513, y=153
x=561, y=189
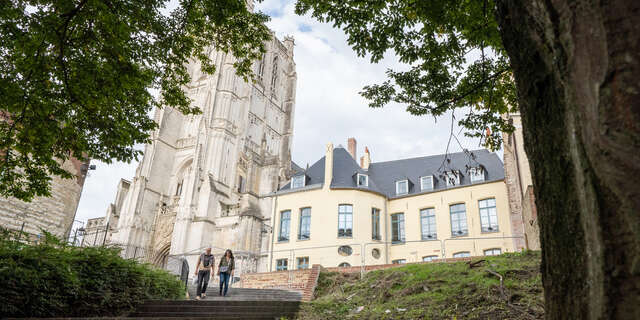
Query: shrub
x=52, y=279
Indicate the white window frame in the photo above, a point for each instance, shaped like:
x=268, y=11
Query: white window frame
x=422, y=186
x=399, y=261
x=282, y=264
x=398, y=185
x=304, y=265
x=455, y=174
x=492, y=252
x=293, y=185
x=429, y=258
x=462, y=254
x=366, y=182
x=488, y=215
x=425, y=221
x=398, y=229
x=477, y=174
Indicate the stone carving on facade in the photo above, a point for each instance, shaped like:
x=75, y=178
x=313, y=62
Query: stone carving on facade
x=177, y=207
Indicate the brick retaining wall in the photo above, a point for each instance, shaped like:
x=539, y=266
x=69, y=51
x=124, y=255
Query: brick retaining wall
x=303, y=280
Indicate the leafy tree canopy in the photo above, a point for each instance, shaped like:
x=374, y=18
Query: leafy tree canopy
x=453, y=48
x=75, y=76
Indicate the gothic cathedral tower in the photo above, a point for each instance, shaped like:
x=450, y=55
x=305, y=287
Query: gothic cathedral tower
x=203, y=178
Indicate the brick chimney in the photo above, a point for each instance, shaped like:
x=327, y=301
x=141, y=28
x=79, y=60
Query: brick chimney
x=365, y=161
x=352, y=146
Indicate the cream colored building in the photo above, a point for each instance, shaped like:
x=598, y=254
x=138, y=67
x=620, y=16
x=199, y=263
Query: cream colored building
x=339, y=213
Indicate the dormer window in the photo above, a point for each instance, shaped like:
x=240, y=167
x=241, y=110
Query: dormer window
x=476, y=174
x=426, y=183
x=297, y=182
x=452, y=178
x=363, y=180
x=402, y=187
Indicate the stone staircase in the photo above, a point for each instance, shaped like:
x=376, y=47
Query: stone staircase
x=240, y=303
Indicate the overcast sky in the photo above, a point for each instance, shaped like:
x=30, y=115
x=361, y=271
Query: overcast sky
x=328, y=108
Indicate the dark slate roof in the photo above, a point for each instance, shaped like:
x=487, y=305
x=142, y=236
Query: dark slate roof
x=387, y=173
x=383, y=175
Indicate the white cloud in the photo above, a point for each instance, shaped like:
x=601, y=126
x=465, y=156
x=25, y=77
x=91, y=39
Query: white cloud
x=328, y=107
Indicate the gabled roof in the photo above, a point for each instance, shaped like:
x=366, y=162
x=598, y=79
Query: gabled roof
x=383, y=175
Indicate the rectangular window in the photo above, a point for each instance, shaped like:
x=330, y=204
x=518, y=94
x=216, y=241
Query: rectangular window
x=285, y=221
x=397, y=227
x=305, y=224
x=426, y=183
x=493, y=252
x=458, y=220
x=282, y=264
x=462, y=254
x=452, y=178
x=402, y=187
x=476, y=174
x=303, y=263
x=488, y=215
x=363, y=180
x=428, y=223
x=399, y=261
x=297, y=182
x=429, y=258
x=375, y=224
x=345, y=221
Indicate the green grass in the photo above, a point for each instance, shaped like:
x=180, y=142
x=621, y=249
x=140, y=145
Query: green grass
x=434, y=291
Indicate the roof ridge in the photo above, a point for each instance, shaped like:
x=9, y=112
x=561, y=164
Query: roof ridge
x=431, y=156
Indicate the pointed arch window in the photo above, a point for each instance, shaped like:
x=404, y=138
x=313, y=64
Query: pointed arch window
x=179, y=188
x=274, y=75
x=260, y=70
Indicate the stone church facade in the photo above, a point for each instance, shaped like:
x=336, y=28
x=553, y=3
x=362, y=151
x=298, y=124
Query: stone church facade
x=204, y=178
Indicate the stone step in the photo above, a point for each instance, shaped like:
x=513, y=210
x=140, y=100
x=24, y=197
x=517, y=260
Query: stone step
x=219, y=308
x=240, y=303
x=222, y=302
x=251, y=294
x=183, y=315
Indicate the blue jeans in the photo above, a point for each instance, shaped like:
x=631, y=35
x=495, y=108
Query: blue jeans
x=224, y=281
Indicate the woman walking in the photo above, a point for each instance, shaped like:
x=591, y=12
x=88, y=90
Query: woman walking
x=225, y=271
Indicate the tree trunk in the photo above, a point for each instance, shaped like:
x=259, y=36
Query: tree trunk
x=577, y=68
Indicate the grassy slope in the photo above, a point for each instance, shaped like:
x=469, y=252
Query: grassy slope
x=434, y=291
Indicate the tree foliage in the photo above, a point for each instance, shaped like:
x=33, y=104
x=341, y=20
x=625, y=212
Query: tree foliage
x=75, y=76
x=452, y=47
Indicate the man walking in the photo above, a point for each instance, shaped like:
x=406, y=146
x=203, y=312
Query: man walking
x=204, y=270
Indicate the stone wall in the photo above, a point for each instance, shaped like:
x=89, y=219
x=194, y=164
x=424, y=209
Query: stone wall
x=512, y=180
x=54, y=214
x=530, y=216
